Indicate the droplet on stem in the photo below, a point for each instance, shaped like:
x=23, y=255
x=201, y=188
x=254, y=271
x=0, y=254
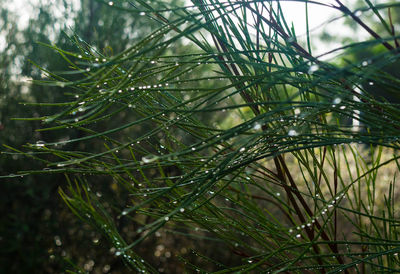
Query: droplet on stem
x=292, y=132
x=40, y=143
x=313, y=68
x=257, y=126
x=149, y=158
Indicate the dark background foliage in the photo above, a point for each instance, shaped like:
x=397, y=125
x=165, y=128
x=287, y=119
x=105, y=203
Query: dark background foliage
x=38, y=232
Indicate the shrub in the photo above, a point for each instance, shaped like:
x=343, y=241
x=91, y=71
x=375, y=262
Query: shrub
x=240, y=150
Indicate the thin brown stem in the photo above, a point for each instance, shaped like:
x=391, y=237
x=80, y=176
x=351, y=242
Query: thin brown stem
x=288, y=190
x=392, y=29
x=296, y=191
x=335, y=184
x=346, y=10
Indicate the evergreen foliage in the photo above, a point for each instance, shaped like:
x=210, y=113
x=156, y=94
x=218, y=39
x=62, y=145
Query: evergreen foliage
x=241, y=145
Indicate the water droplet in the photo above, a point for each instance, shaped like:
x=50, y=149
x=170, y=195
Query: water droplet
x=149, y=158
x=337, y=101
x=298, y=236
x=40, y=143
x=250, y=261
x=257, y=126
x=79, y=56
x=293, y=132
x=242, y=149
x=182, y=210
x=358, y=13
x=364, y=63
x=118, y=253
x=142, y=13
x=371, y=83
x=313, y=68
x=166, y=218
x=290, y=230
x=297, y=111
x=124, y=212
x=57, y=240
